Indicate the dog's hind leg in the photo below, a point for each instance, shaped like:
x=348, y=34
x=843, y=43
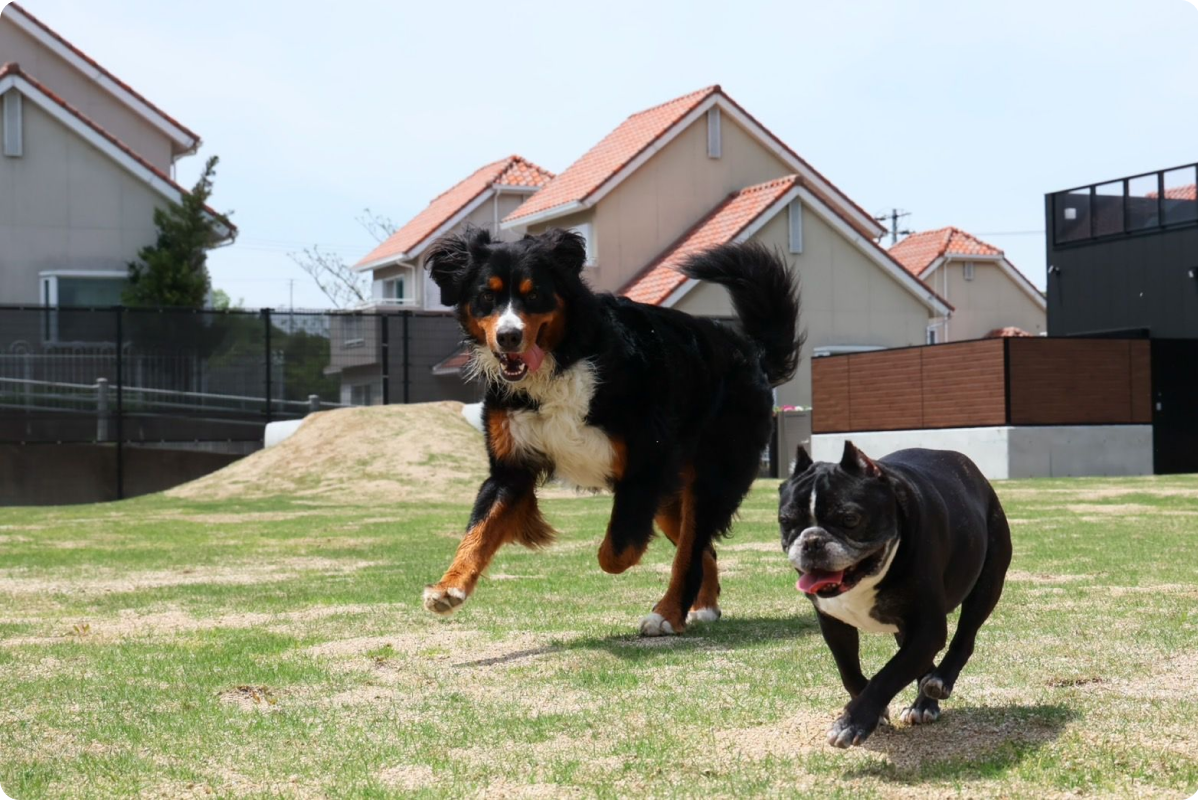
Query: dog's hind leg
x=505, y=511
x=686, y=576
x=975, y=609
x=706, y=607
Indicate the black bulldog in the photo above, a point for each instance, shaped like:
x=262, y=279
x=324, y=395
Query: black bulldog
x=893, y=546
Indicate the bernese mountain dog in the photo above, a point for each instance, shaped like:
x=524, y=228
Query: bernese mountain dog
x=668, y=411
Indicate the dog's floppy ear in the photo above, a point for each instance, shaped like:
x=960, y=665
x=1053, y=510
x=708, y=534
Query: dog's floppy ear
x=857, y=463
x=803, y=462
x=451, y=258
x=569, y=249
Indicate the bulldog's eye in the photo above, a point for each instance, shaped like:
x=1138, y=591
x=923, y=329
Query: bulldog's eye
x=850, y=520
x=787, y=522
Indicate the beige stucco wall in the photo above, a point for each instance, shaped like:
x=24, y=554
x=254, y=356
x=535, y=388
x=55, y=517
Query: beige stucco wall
x=847, y=298
x=670, y=192
x=991, y=300
x=84, y=94
x=66, y=205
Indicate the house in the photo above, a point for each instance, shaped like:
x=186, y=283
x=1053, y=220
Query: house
x=482, y=199
x=84, y=162
x=372, y=371
x=987, y=291
x=1123, y=261
x=700, y=170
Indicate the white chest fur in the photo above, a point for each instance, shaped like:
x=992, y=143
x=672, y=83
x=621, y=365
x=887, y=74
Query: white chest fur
x=854, y=606
x=581, y=454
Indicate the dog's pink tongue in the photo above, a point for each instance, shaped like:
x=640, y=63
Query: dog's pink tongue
x=533, y=357
x=814, y=580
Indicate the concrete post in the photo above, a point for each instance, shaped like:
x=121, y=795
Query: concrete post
x=313, y=403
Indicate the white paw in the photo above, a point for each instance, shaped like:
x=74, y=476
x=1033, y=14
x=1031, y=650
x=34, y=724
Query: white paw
x=934, y=688
x=443, y=601
x=656, y=625
x=703, y=615
x=914, y=716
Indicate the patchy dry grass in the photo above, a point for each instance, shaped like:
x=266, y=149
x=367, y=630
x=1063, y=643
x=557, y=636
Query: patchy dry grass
x=174, y=647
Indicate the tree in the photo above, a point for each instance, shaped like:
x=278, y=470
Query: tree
x=339, y=282
x=173, y=271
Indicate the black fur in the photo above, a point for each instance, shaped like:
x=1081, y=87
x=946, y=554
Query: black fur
x=685, y=395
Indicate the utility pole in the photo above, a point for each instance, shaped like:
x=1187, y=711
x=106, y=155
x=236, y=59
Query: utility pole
x=893, y=218
x=291, y=305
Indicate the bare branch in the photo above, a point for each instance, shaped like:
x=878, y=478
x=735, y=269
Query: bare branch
x=376, y=225
x=337, y=280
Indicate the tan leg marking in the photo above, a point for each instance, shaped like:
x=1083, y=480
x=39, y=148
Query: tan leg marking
x=670, y=522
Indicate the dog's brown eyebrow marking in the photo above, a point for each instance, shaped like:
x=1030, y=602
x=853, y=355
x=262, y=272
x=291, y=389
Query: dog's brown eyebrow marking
x=526, y=286
x=496, y=283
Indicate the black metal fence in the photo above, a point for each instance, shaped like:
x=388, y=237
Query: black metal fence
x=108, y=381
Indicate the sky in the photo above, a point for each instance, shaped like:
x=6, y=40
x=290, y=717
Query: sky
x=962, y=113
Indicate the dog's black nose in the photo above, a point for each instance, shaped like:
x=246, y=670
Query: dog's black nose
x=509, y=339
x=813, y=546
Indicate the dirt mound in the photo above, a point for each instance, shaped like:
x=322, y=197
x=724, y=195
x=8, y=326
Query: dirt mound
x=424, y=451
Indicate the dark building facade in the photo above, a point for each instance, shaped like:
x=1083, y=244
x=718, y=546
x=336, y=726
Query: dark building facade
x=1123, y=261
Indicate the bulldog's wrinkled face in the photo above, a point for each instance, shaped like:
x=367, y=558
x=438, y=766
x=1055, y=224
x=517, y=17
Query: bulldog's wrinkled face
x=837, y=521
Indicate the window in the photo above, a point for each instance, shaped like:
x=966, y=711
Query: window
x=395, y=289
x=969, y=270
x=794, y=214
x=78, y=288
x=714, y=140
x=587, y=231
x=931, y=334
x=352, y=329
x=13, y=146
x=361, y=395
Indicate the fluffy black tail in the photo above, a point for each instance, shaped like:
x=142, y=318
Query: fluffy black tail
x=765, y=296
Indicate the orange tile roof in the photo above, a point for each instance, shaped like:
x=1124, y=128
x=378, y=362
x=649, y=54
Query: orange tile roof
x=1009, y=332
x=919, y=250
x=661, y=278
x=634, y=136
x=723, y=224
x=510, y=171
x=12, y=68
x=612, y=153
x=92, y=62
x=1188, y=191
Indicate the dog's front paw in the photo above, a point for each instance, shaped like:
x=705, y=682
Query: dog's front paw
x=657, y=625
x=710, y=614
x=443, y=600
x=935, y=688
x=847, y=732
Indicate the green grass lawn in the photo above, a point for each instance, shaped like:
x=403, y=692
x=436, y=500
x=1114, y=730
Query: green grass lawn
x=166, y=648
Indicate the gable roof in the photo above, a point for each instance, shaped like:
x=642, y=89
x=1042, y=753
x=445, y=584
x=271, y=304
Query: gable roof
x=922, y=253
x=585, y=182
x=514, y=173
x=919, y=250
x=12, y=76
x=722, y=225
x=186, y=140
x=741, y=215
x=1188, y=191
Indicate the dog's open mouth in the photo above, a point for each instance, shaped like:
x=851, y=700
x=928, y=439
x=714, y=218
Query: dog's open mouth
x=829, y=583
x=514, y=366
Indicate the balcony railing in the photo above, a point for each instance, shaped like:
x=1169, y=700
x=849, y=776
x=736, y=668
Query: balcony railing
x=1134, y=205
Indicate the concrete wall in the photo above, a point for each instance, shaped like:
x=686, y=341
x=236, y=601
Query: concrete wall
x=1013, y=452
x=84, y=94
x=66, y=205
x=847, y=298
x=670, y=192
x=54, y=474
x=991, y=300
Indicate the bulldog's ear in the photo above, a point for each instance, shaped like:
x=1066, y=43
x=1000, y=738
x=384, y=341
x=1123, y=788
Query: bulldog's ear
x=803, y=462
x=857, y=463
x=569, y=249
x=452, y=257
